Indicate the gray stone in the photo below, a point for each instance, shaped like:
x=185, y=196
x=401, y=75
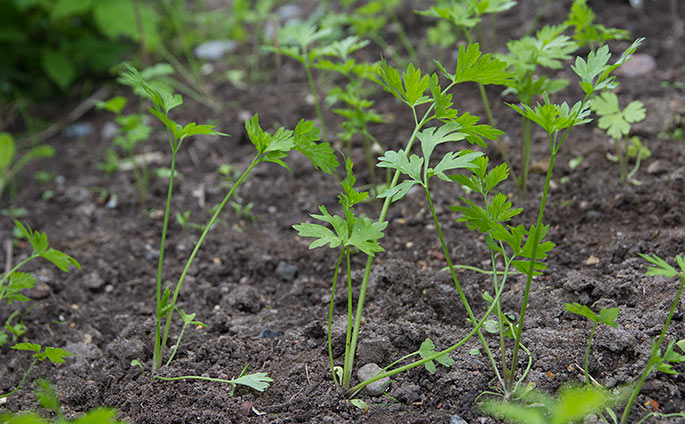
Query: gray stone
x=456, y=419
x=79, y=130
x=126, y=349
x=268, y=333
x=659, y=167
x=109, y=130
x=77, y=194
x=408, y=393
x=214, y=49
x=373, y=350
x=93, y=281
x=285, y=271
x=84, y=355
x=369, y=371
x=616, y=339
x=244, y=298
x=640, y=65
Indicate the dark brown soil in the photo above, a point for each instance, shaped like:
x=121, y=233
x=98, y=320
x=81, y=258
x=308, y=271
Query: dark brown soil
x=240, y=286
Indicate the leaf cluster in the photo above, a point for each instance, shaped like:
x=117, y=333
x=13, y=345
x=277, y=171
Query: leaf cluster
x=595, y=71
x=427, y=350
x=350, y=230
x=612, y=119
x=586, y=31
x=418, y=168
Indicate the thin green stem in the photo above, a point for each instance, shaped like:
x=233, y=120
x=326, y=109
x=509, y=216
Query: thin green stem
x=422, y=361
x=317, y=105
x=381, y=218
x=486, y=103
x=347, y=369
x=587, y=354
x=500, y=316
x=196, y=377
x=16, y=267
x=330, y=314
x=178, y=343
x=207, y=227
x=157, y=351
x=26, y=374
x=519, y=328
x=462, y=295
x=525, y=154
x=655, y=352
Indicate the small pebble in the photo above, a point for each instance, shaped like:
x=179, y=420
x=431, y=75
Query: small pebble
x=456, y=419
x=658, y=167
x=109, y=130
x=214, y=49
x=640, y=65
x=79, y=130
x=592, y=260
x=267, y=333
x=285, y=271
x=369, y=371
x=93, y=281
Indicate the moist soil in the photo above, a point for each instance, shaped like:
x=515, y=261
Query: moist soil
x=264, y=296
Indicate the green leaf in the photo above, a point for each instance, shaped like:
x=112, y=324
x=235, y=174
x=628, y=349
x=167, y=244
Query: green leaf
x=47, y=397
x=117, y=18
x=58, y=68
x=192, y=129
x=99, y=416
x=612, y=119
x=60, y=260
x=30, y=347
x=365, y=235
x=432, y=137
x=454, y=160
x=259, y=381
x=427, y=350
x=7, y=151
x=472, y=66
x=38, y=241
x=660, y=267
x=54, y=355
x=321, y=155
x=398, y=160
x=66, y=8
x=496, y=176
x=577, y=403
x=114, y=105
x=606, y=315
x=409, y=88
x=322, y=234
x=360, y=404
x=18, y=281
x=398, y=191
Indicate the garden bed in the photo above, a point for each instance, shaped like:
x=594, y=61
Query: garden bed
x=265, y=296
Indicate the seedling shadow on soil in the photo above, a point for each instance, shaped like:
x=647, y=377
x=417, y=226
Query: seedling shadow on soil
x=265, y=297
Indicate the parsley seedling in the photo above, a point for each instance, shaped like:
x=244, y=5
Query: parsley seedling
x=606, y=316
x=466, y=16
x=616, y=123
x=270, y=148
x=348, y=232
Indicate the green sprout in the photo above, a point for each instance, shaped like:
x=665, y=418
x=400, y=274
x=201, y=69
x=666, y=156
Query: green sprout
x=606, y=316
x=11, y=162
x=616, y=123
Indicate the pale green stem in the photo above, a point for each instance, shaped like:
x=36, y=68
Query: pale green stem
x=16, y=267
x=330, y=314
x=587, y=354
x=208, y=227
x=26, y=374
x=178, y=343
x=381, y=218
x=347, y=370
x=317, y=105
x=157, y=351
x=462, y=295
x=422, y=361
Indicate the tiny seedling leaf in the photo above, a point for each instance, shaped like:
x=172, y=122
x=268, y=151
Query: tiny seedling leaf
x=60, y=260
x=321, y=155
x=427, y=350
x=258, y=381
x=7, y=150
x=472, y=66
x=359, y=404
x=660, y=267
x=606, y=315
x=54, y=355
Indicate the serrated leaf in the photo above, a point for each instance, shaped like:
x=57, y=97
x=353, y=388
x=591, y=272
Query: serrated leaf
x=472, y=66
x=452, y=161
x=398, y=191
x=31, y=347
x=411, y=167
x=322, y=235
x=54, y=355
x=577, y=403
x=18, y=281
x=432, y=137
x=258, y=381
x=60, y=260
x=321, y=155
x=496, y=176
x=409, y=88
x=365, y=235
x=660, y=267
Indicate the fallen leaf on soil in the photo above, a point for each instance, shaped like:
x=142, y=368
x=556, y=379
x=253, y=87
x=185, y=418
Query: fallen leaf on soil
x=652, y=404
x=592, y=260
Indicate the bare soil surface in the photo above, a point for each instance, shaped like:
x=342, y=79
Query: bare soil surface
x=264, y=295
